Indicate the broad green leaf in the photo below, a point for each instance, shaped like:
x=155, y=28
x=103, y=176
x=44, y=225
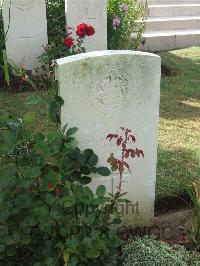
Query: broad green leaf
x=68, y=201
x=30, y=172
x=93, y=160
x=33, y=99
x=4, y=115
x=23, y=201
x=7, y=176
x=88, y=153
x=39, y=137
x=104, y=171
x=7, y=142
x=54, y=112
x=89, y=193
x=73, y=261
x=71, y=145
x=71, y=131
x=53, y=178
x=41, y=211
x=85, y=170
x=92, y=253
x=50, y=262
x=2, y=195
x=59, y=100
x=30, y=118
x=64, y=129
x=84, y=180
x=14, y=124
x=100, y=191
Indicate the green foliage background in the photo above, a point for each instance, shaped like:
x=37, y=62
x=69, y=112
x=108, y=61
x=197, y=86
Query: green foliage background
x=55, y=20
x=121, y=37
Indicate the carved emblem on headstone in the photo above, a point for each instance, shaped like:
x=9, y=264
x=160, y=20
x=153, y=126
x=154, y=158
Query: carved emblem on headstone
x=23, y=5
x=111, y=92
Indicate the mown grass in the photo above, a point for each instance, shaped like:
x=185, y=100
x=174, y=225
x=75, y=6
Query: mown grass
x=14, y=103
x=179, y=131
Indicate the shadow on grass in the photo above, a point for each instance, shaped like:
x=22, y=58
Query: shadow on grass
x=175, y=170
x=180, y=92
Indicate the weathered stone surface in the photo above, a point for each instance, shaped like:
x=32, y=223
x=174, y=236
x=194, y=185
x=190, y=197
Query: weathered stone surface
x=26, y=23
x=104, y=91
x=92, y=12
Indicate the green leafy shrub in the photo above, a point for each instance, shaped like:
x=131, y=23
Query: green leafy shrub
x=55, y=20
x=48, y=214
x=194, y=224
x=123, y=16
x=147, y=251
x=4, y=66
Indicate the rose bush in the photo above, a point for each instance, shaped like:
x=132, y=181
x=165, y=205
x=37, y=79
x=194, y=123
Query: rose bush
x=48, y=213
x=67, y=45
x=69, y=42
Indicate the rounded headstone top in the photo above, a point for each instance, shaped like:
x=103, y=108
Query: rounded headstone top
x=95, y=54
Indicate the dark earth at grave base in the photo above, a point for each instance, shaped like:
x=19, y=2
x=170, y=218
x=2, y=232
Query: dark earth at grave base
x=169, y=227
x=167, y=72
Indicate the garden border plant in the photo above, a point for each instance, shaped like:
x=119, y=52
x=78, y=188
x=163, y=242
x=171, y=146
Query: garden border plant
x=148, y=251
x=67, y=45
x=125, y=19
x=47, y=213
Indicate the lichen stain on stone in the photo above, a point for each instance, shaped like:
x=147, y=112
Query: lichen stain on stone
x=84, y=66
x=99, y=67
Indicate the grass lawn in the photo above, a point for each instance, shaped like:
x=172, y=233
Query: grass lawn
x=179, y=132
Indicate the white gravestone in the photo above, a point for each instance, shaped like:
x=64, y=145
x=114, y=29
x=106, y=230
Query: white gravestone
x=26, y=23
x=104, y=91
x=92, y=12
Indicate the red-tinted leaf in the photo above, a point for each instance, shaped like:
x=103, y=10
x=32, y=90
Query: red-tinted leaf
x=133, y=153
x=129, y=152
x=50, y=186
x=119, y=141
x=126, y=155
x=125, y=236
x=126, y=165
x=139, y=153
x=111, y=136
x=113, y=162
x=120, y=166
x=131, y=137
x=124, y=146
x=58, y=191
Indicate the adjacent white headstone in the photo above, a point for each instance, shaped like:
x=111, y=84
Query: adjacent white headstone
x=92, y=12
x=104, y=91
x=26, y=23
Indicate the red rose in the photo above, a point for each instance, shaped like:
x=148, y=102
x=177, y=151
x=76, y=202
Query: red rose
x=50, y=186
x=69, y=42
x=90, y=30
x=58, y=191
x=81, y=30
